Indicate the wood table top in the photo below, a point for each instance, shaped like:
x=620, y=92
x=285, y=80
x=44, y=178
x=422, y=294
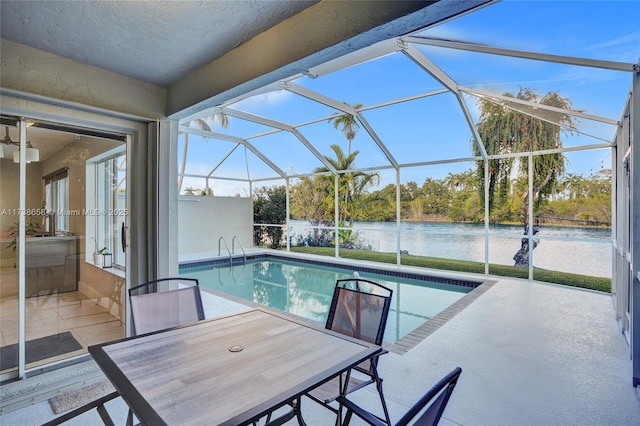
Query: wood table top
x=192, y=375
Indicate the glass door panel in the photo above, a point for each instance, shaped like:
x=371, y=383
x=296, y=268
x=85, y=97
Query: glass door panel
x=73, y=299
x=9, y=217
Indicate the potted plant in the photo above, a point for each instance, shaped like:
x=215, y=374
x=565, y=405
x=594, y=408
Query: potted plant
x=97, y=254
x=32, y=227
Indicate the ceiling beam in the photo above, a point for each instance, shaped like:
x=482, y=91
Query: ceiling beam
x=223, y=160
x=378, y=141
x=347, y=109
x=318, y=97
x=235, y=139
x=483, y=94
x=264, y=158
x=432, y=69
x=282, y=126
x=567, y=60
x=208, y=134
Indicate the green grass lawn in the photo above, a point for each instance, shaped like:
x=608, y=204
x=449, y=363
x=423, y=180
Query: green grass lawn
x=564, y=278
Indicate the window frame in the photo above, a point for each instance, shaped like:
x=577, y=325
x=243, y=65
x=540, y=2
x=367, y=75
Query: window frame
x=102, y=203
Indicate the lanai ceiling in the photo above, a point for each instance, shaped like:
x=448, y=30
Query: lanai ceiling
x=159, y=42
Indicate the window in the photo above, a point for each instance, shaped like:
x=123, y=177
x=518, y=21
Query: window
x=106, y=203
x=56, y=186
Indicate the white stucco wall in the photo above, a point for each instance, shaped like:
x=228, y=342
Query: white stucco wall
x=203, y=220
x=32, y=71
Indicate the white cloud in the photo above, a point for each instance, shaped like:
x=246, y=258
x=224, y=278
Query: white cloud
x=626, y=39
x=264, y=100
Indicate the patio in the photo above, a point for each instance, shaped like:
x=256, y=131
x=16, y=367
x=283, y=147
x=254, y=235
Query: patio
x=531, y=353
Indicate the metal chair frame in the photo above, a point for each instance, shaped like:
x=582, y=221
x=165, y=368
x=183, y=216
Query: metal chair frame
x=152, y=287
x=346, y=383
x=438, y=396
x=98, y=404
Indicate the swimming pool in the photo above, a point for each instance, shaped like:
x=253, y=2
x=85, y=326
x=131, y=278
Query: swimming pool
x=305, y=288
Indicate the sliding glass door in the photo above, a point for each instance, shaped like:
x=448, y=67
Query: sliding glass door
x=64, y=264
x=9, y=230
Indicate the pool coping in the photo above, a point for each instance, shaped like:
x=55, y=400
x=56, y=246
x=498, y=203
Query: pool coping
x=420, y=333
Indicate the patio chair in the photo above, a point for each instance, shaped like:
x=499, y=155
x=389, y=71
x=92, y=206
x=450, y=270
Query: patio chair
x=165, y=303
x=437, y=396
x=155, y=305
x=359, y=309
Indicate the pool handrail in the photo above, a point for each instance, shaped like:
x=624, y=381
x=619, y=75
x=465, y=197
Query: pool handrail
x=221, y=239
x=233, y=247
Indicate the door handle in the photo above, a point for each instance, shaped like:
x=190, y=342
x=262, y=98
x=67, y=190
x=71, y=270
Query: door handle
x=123, y=237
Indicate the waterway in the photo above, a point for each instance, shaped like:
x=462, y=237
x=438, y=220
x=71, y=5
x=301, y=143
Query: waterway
x=578, y=250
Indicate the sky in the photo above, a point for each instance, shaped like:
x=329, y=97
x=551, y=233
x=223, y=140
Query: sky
x=434, y=128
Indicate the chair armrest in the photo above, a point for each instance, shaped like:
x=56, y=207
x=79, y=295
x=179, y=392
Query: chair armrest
x=373, y=359
x=363, y=414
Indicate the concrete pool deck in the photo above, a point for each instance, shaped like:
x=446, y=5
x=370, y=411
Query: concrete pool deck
x=531, y=354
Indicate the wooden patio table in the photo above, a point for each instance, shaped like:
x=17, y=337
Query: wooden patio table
x=229, y=370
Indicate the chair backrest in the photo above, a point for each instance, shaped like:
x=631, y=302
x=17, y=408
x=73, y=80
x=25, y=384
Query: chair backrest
x=438, y=396
x=359, y=309
x=165, y=303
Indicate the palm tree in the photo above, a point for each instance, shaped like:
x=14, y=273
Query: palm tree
x=200, y=123
x=351, y=185
x=348, y=123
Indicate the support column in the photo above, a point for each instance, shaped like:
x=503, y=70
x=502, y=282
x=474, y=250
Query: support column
x=167, y=198
x=635, y=225
x=398, y=248
x=288, y=210
x=336, y=215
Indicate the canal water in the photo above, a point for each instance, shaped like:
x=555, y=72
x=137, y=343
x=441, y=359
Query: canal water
x=586, y=251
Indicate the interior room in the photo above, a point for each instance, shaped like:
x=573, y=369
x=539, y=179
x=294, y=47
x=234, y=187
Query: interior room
x=73, y=269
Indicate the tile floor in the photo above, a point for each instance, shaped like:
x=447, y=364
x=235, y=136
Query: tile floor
x=89, y=322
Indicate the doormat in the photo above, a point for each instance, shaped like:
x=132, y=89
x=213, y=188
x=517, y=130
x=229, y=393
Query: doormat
x=39, y=349
x=79, y=397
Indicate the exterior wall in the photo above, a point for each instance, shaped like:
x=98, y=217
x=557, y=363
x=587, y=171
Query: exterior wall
x=203, y=220
x=35, y=72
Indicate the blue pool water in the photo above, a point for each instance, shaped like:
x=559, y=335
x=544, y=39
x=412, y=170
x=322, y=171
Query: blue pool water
x=305, y=289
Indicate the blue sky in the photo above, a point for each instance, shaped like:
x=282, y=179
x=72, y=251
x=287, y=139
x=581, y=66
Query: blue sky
x=434, y=128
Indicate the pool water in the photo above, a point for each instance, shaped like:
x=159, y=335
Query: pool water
x=306, y=289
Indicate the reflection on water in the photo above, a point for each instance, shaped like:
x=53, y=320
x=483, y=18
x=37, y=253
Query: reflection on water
x=465, y=241
x=306, y=290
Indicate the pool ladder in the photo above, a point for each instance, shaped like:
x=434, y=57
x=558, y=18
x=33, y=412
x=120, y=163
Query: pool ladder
x=233, y=249
x=231, y=252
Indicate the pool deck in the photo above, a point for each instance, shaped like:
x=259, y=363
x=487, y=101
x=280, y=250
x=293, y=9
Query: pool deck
x=531, y=354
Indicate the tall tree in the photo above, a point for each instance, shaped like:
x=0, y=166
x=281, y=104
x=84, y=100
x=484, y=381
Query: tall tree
x=351, y=185
x=269, y=208
x=203, y=124
x=505, y=130
x=348, y=125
